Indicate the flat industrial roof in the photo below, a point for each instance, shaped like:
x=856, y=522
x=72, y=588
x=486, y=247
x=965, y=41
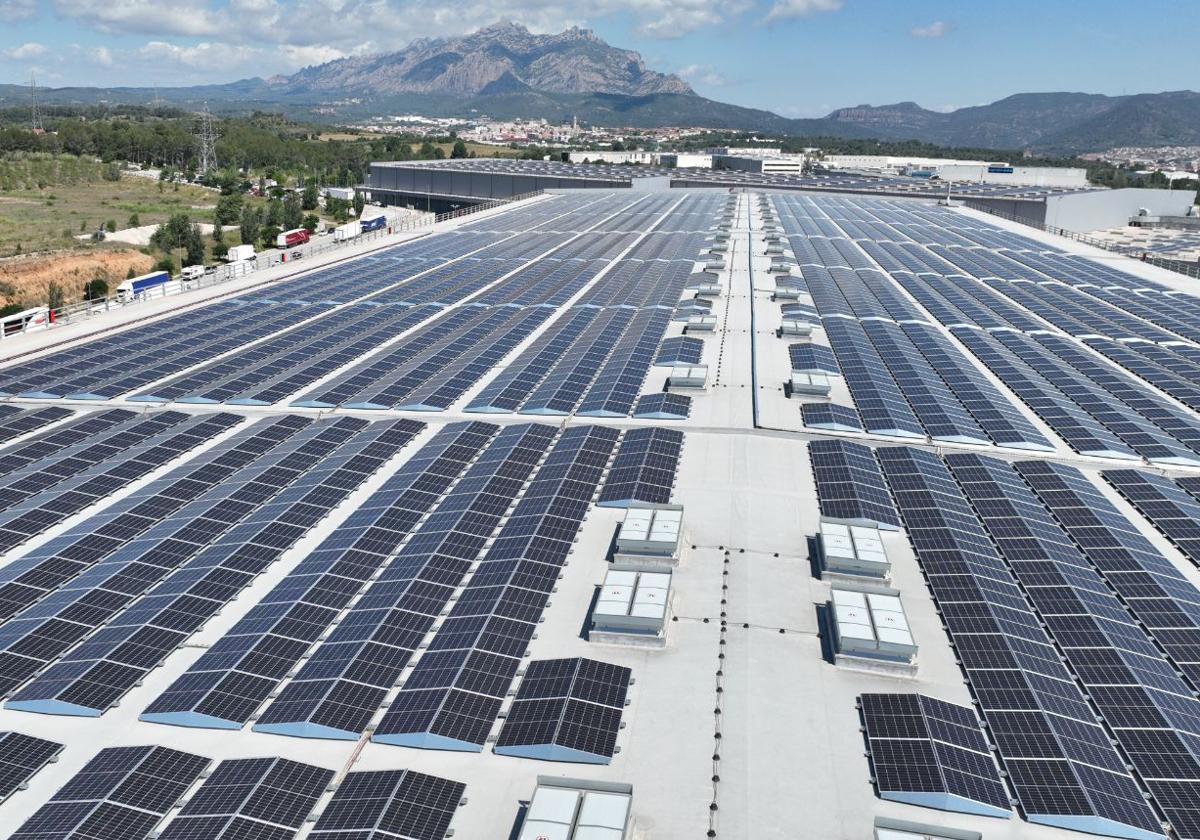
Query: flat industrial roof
x=741, y=726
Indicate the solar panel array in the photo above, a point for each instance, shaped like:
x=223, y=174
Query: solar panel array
x=389, y=805
x=121, y=794
x=566, y=710
x=122, y=650
x=267, y=798
x=455, y=691
x=22, y=756
x=927, y=751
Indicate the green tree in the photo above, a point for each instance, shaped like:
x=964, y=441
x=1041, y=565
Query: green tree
x=293, y=214
x=134, y=220
x=339, y=208
x=459, y=150
x=311, y=222
x=269, y=235
x=179, y=234
x=229, y=207
x=55, y=299
x=95, y=289
x=359, y=203
x=111, y=225
x=274, y=212
x=251, y=224
x=309, y=199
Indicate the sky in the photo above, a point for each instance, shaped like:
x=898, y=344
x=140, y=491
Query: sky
x=799, y=58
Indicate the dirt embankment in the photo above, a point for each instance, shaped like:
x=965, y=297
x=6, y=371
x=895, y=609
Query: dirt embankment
x=30, y=276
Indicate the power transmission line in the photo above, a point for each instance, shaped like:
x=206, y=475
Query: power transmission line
x=36, y=111
x=207, y=140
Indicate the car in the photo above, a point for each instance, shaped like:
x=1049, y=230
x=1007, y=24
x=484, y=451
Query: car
x=297, y=255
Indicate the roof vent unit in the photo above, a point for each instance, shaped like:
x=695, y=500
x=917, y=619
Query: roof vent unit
x=649, y=536
x=773, y=249
x=779, y=266
x=688, y=376
x=810, y=384
x=701, y=323
x=854, y=551
x=796, y=326
x=871, y=631
x=788, y=287
x=632, y=607
x=576, y=809
x=721, y=236
x=714, y=263
x=719, y=247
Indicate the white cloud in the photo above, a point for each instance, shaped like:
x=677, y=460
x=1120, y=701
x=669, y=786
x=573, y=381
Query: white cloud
x=937, y=29
x=704, y=74
x=789, y=9
x=101, y=56
x=25, y=52
x=15, y=10
x=164, y=17
x=203, y=55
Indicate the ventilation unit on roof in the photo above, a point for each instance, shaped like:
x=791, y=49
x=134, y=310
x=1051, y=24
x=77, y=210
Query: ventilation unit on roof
x=632, y=607
x=577, y=809
x=779, y=266
x=690, y=377
x=649, y=535
x=871, y=631
x=852, y=551
x=773, y=249
x=796, y=326
x=714, y=263
x=809, y=384
x=701, y=323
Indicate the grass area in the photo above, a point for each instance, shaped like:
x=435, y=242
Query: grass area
x=50, y=218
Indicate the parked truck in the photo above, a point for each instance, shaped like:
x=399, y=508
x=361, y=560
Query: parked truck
x=291, y=238
x=341, y=233
x=377, y=223
x=239, y=252
x=154, y=284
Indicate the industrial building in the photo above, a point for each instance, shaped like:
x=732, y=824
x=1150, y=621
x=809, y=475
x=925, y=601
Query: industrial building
x=614, y=514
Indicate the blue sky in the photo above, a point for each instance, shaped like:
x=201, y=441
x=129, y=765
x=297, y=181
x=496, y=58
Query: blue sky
x=796, y=57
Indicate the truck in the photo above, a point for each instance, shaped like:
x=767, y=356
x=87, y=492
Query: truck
x=239, y=252
x=192, y=272
x=291, y=238
x=377, y=223
x=347, y=231
x=154, y=284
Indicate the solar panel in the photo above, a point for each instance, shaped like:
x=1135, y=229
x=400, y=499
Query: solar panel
x=455, y=691
x=566, y=710
x=644, y=469
x=831, y=417
x=813, y=358
x=926, y=751
x=225, y=687
x=386, y=804
x=346, y=678
x=268, y=798
x=1062, y=764
x=121, y=794
x=61, y=439
x=850, y=485
x=123, y=650
x=22, y=756
x=663, y=406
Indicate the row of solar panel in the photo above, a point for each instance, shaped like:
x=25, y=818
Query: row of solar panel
x=134, y=358
x=394, y=578
x=1137, y=324
x=1076, y=635
x=133, y=793
x=1093, y=406
x=907, y=379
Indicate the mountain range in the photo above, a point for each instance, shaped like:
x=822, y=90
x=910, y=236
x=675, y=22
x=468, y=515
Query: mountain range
x=506, y=72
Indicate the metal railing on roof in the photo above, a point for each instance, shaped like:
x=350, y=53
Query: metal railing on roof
x=40, y=318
